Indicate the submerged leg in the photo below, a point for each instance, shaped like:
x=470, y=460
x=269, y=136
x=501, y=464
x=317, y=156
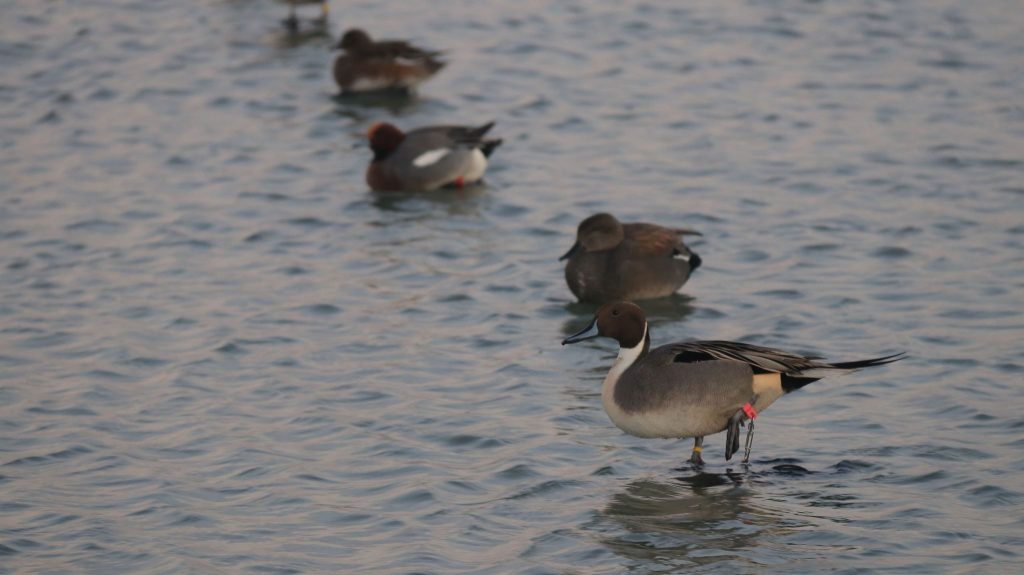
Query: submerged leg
x=324, y=9
x=695, y=457
x=749, y=443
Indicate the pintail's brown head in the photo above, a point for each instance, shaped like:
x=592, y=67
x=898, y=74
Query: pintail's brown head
x=622, y=321
x=384, y=139
x=354, y=40
x=598, y=233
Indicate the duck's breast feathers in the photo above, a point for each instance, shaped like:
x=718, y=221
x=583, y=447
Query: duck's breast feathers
x=377, y=74
x=381, y=179
x=652, y=240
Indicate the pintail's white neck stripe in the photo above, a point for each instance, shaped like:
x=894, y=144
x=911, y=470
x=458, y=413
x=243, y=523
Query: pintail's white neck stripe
x=627, y=357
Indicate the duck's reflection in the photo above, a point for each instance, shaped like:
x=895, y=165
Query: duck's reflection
x=316, y=31
x=673, y=308
x=395, y=101
x=460, y=201
x=698, y=518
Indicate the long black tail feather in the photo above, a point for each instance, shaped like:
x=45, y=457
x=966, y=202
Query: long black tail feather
x=487, y=146
x=479, y=131
x=869, y=362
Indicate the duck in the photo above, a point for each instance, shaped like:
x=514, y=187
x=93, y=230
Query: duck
x=427, y=158
x=369, y=66
x=292, y=22
x=613, y=261
x=698, y=388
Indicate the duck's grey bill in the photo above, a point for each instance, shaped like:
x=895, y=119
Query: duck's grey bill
x=575, y=248
x=589, y=332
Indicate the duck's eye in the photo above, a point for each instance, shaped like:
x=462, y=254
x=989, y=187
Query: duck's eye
x=615, y=312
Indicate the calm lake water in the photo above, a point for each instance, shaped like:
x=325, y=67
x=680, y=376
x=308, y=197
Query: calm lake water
x=220, y=353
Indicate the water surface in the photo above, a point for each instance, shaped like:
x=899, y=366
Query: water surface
x=220, y=353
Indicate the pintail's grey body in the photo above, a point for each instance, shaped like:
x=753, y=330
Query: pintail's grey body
x=694, y=389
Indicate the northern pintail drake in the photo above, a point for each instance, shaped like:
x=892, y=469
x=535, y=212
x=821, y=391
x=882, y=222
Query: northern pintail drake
x=612, y=261
x=292, y=22
x=427, y=158
x=694, y=389
x=368, y=66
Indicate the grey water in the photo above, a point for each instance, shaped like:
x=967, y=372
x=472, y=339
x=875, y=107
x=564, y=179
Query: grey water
x=220, y=353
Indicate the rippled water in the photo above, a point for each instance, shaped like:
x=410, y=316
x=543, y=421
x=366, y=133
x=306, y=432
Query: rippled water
x=220, y=353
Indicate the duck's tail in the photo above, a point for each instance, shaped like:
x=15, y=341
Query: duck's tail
x=869, y=362
x=793, y=382
x=487, y=146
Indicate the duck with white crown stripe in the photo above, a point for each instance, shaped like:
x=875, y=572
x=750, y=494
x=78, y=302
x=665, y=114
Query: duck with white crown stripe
x=694, y=389
x=427, y=158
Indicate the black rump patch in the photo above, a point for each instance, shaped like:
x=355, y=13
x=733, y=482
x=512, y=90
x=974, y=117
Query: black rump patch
x=793, y=382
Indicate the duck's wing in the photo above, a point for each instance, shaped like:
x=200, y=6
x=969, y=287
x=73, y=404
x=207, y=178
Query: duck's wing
x=766, y=359
x=653, y=240
x=456, y=136
x=398, y=49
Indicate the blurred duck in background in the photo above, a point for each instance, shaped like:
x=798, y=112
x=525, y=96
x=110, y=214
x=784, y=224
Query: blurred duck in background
x=292, y=22
x=367, y=65
x=427, y=158
x=613, y=261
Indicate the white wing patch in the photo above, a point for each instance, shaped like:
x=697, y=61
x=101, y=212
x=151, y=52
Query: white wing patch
x=429, y=158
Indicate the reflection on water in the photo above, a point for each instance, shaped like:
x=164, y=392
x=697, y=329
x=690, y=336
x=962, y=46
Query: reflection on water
x=360, y=106
x=703, y=519
x=673, y=309
x=464, y=201
x=315, y=33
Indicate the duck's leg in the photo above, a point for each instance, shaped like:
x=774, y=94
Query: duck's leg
x=324, y=9
x=750, y=441
x=292, y=22
x=732, y=434
x=695, y=457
